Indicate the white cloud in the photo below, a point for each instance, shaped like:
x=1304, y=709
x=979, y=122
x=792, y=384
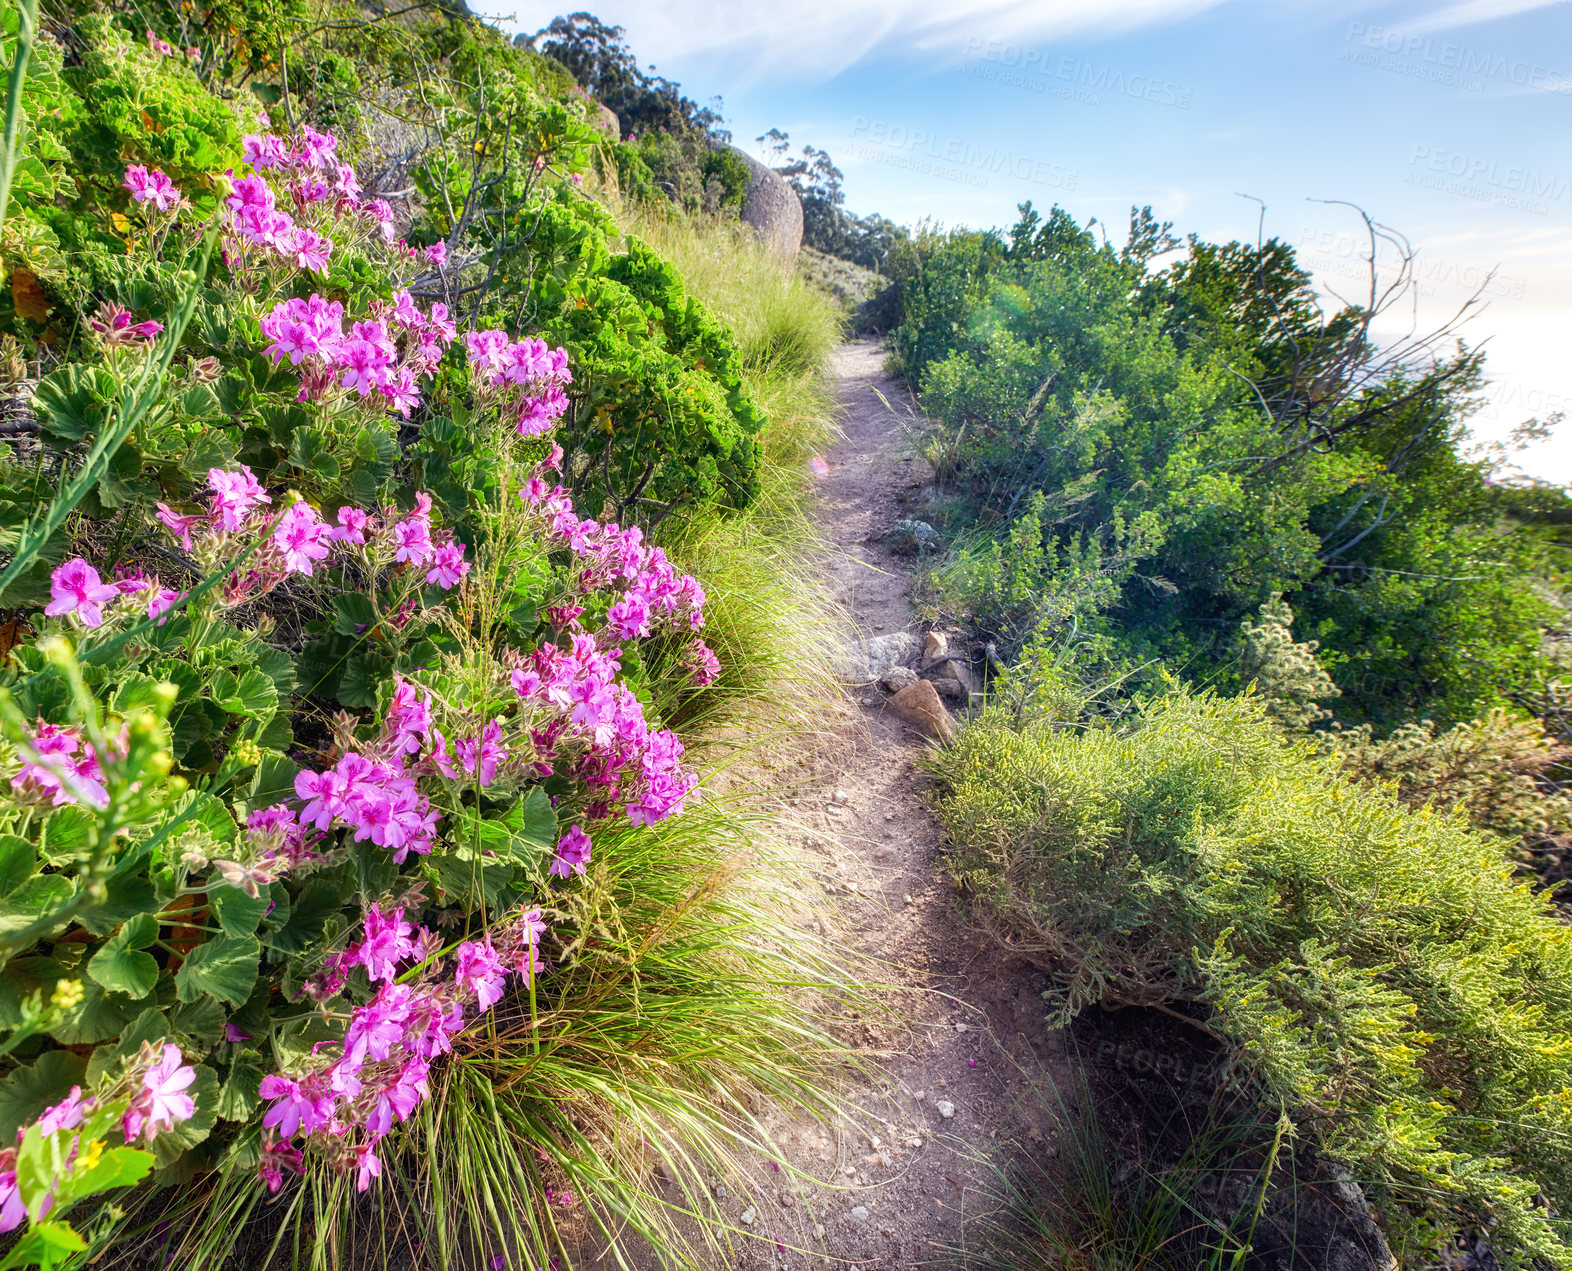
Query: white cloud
x=1472, y=12
x=794, y=39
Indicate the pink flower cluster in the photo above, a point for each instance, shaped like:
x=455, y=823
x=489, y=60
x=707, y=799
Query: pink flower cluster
x=114, y=326
x=586, y=725
x=60, y=766
x=652, y=595
x=76, y=591
x=157, y=1100
x=151, y=187
x=386, y=356
x=347, y=1102
x=374, y=798
x=299, y=539
x=522, y=376
x=318, y=190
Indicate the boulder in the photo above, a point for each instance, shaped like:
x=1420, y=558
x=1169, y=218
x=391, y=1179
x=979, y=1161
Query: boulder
x=919, y=704
x=910, y=538
x=952, y=691
x=864, y=661
x=605, y=120
x=897, y=678
x=772, y=208
x=951, y=669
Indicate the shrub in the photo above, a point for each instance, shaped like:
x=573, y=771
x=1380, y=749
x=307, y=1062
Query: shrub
x=1382, y=969
x=184, y=874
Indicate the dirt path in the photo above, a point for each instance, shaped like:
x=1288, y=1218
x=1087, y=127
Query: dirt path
x=965, y=1035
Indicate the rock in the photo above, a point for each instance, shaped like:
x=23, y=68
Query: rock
x=946, y=1108
x=919, y=704
x=748, y=1216
x=952, y=691
x=935, y=647
x=859, y=1213
x=951, y=669
x=864, y=661
x=720, y=1191
x=787, y=1200
x=897, y=678
x=909, y=538
x=772, y=208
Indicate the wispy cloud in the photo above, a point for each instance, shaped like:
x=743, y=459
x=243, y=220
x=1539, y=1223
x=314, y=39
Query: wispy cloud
x=816, y=39
x=1473, y=12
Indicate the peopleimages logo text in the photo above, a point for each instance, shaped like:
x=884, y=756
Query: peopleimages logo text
x=1487, y=180
x=1040, y=71
x=957, y=152
x=1464, y=62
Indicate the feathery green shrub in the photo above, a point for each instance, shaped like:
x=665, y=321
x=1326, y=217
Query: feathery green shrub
x=1382, y=969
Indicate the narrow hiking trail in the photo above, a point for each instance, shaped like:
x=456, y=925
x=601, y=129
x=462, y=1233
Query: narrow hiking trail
x=954, y=1061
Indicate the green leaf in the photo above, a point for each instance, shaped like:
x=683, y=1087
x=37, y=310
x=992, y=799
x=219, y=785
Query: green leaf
x=224, y=967
x=73, y=402
x=18, y=860
x=274, y=780
x=149, y=1026
x=39, y=895
x=101, y=1014
x=117, y=1167
x=202, y=1020
x=516, y=837
x=26, y=1092
x=66, y=834
x=121, y=966
x=238, y=1098
x=317, y=901
x=362, y=676
x=238, y=913
x=252, y=695
x=353, y=613
x=46, y=1246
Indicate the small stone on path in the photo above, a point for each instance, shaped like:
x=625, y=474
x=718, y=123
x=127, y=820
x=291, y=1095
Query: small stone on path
x=946, y=1108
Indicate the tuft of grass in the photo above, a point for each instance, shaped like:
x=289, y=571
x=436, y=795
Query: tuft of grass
x=688, y=1002
x=1096, y=1208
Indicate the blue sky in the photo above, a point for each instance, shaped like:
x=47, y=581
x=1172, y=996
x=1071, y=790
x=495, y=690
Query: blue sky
x=1449, y=121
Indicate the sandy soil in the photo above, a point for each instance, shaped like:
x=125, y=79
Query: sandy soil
x=953, y=1064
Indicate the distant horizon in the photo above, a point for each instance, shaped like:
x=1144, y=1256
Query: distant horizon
x=1186, y=105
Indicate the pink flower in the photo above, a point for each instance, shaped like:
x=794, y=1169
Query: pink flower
x=437, y=254
x=308, y=250
x=573, y=854
x=402, y=393
x=352, y=524
x=162, y=1099
x=413, y=537
x=364, y=363
x=448, y=566
x=278, y=1156
x=65, y=1115
x=161, y=600
x=480, y=971
x=703, y=665
x=301, y=537
x=482, y=754
x=264, y=152
x=12, y=1211
x=234, y=495
x=387, y=943
x=75, y=588
x=368, y=1166
x=404, y=311
x=295, y=1106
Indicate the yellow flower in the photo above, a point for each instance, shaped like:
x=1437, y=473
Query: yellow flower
x=67, y=995
x=88, y=1157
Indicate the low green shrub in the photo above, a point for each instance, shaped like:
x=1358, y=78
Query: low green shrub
x=1383, y=970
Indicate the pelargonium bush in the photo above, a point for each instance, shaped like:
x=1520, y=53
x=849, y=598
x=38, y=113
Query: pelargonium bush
x=216, y=925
